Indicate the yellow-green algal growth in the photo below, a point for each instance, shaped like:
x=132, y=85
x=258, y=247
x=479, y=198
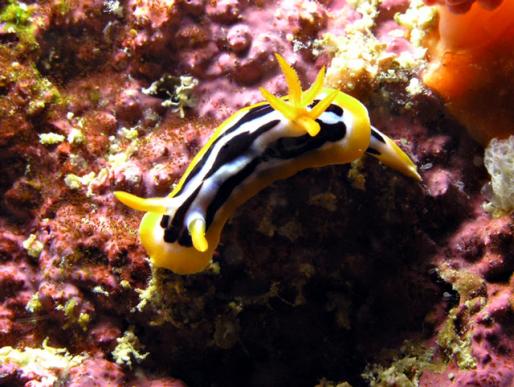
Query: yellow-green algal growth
x=455, y=346
x=41, y=93
x=89, y=180
x=358, y=56
x=34, y=305
x=360, y=60
x=70, y=312
x=419, y=20
x=167, y=300
x=51, y=138
x=129, y=349
x=17, y=17
x=76, y=137
x=329, y=383
x=50, y=363
x=456, y=342
x=153, y=296
x=405, y=368
x=33, y=246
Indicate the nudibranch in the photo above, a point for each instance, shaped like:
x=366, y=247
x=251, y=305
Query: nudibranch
x=257, y=145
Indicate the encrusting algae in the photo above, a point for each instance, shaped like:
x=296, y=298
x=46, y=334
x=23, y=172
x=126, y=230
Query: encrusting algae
x=129, y=349
x=50, y=363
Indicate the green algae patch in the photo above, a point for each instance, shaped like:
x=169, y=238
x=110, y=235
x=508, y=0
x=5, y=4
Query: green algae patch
x=51, y=363
x=18, y=20
x=467, y=284
x=156, y=296
x=175, y=299
x=357, y=55
x=63, y=6
x=405, y=368
x=420, y=20
x=44, y=93
x=50, y=138
x=357, y=175
x=100, y=290
x=76, y=137
x=34, y=305
x=129, y=349
x=454, y=345
x=28, y=91
x=83, y=320
x=33, y=246
x=454, y=336
x=362, y=63
x=329, y=383
x=72, y=316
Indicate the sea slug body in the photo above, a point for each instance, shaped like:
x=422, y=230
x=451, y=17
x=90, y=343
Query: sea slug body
x=257, y=145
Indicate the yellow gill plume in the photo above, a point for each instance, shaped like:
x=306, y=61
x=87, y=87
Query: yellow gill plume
x=295, y=109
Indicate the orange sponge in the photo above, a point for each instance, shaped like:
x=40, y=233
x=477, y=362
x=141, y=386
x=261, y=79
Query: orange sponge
x=472, y=68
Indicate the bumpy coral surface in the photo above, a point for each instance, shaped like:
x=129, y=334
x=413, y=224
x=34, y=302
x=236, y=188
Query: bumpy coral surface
x=348, y=275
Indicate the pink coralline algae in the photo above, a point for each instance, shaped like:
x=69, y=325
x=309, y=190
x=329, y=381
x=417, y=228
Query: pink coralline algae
x=349, y=275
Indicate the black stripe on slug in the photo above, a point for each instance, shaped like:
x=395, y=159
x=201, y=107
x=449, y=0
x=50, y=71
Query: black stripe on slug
x=252, y=114
x=173, y=232
x=336, y=109
x=284, y=148
x=378, y=136
x=227, y=187
x=169, y=236
x=313, y=103
x=238, y=146
x=372, y=151
x=185, y=238
x=290, y=147
x=333, y=108
x=164, y=221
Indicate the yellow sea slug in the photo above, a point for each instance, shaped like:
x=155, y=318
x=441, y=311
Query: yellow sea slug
x=259, y=144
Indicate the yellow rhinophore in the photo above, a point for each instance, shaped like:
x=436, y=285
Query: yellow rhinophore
x=296, y=111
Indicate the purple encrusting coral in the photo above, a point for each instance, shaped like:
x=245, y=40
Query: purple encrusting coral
x=349, y=274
